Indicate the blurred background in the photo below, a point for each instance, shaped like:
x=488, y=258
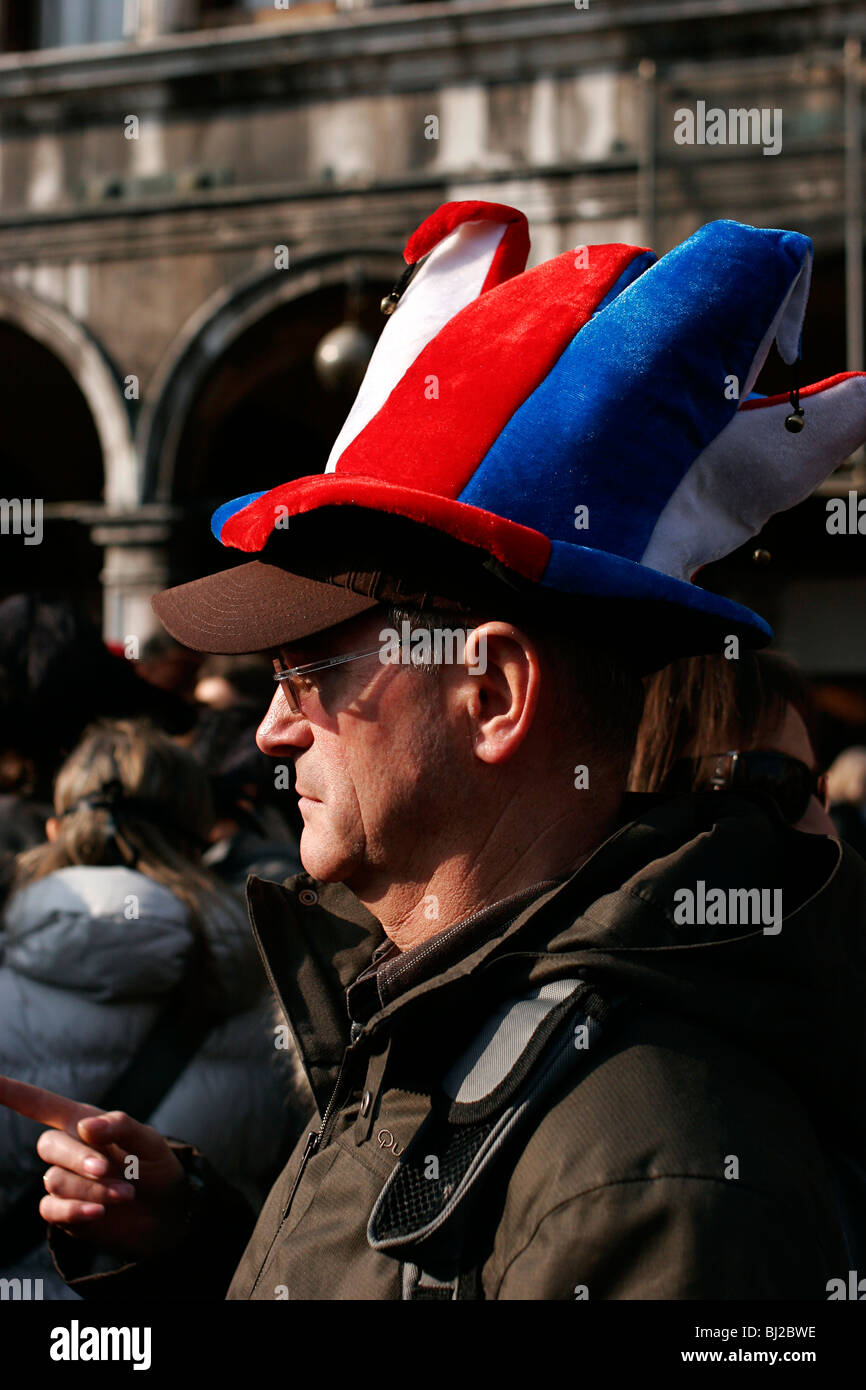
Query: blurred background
x=202, y=203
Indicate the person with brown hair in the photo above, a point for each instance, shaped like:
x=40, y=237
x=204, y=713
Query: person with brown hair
x=742, y=725
x=112, y=925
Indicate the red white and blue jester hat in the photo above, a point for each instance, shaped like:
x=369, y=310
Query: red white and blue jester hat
x=585, y=425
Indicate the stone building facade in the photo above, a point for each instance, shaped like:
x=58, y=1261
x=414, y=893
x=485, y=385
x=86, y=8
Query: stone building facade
x=193, y=195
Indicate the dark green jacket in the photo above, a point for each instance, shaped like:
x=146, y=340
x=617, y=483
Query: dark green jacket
x=691, y=1154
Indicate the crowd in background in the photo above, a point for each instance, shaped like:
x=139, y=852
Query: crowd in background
x=133, y=806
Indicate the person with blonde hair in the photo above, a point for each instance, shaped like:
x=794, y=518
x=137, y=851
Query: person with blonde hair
x=122, y=954
x=129, y=796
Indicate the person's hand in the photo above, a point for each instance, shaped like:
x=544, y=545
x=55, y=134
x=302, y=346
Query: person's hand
x=113, y=1181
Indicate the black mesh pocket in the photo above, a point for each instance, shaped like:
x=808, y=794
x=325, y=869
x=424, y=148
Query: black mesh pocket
x=413, y=1199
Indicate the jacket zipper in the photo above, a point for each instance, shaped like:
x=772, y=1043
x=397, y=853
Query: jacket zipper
x=314, y=1139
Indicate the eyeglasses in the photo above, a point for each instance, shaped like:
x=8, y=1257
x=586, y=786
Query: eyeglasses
x=787, y=780
x=299, y=682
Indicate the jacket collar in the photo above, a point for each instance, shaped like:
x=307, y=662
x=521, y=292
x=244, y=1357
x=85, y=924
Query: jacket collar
x=394, y=972
x=315, y=939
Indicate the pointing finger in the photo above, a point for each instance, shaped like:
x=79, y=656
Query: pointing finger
x=44, y=1106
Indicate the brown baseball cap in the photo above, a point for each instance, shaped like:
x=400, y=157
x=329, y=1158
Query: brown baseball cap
x=336, y=563
x=327, y=570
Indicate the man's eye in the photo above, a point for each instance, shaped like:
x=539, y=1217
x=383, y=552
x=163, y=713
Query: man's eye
x=305, y=685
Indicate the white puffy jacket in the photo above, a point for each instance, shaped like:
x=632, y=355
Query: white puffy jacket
x=82, y=980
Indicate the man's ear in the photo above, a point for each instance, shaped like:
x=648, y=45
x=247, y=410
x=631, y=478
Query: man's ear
x=52, y=828
x=504, y=684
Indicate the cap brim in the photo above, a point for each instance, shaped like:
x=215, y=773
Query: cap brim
x=253, y=608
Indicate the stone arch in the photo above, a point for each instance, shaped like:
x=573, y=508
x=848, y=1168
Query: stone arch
x=96, y=378
x=211, y=331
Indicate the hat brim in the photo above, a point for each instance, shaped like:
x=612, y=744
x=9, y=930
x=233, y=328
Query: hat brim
x=254, y=608
x=689, y=619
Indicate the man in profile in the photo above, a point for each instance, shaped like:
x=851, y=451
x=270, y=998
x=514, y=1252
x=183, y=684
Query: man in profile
x=532, y=1079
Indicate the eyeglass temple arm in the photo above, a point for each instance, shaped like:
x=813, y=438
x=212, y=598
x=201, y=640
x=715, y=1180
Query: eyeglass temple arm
x=288, y=671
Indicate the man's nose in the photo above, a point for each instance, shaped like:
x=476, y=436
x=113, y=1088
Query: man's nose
x=281, y=728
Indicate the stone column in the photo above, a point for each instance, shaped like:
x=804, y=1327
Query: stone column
x=136, y=567
x=147, y=19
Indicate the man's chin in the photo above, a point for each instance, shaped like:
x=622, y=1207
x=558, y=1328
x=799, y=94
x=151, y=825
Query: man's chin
x=327, y=863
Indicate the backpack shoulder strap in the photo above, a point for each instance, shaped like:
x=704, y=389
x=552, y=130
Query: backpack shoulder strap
x=427, y=1213
x=419, y=1285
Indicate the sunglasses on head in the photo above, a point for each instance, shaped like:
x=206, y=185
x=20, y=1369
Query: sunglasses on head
x=787, y=780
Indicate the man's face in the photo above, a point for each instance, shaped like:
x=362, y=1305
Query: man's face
x=374, y=759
